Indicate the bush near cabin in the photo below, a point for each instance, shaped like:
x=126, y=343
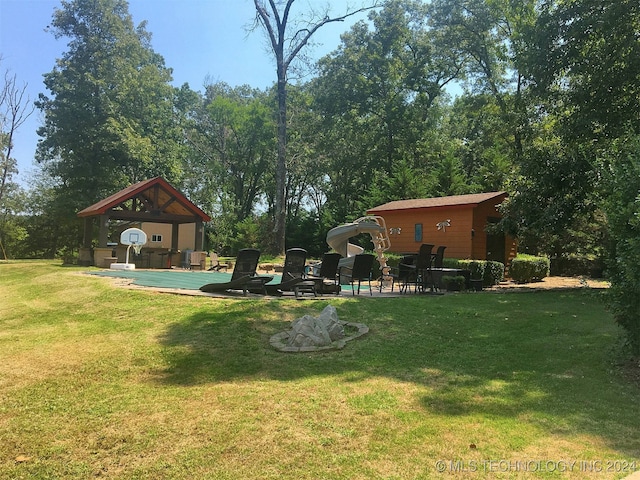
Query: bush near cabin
x=528, y=268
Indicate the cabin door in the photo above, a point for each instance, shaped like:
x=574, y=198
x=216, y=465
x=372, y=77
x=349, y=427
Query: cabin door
x=495, y=243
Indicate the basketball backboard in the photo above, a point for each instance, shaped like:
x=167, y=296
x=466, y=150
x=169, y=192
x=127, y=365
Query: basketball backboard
x=133, y=236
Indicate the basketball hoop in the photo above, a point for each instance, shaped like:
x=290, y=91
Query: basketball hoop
x=131, y=237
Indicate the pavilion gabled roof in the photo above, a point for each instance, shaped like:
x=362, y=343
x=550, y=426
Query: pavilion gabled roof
x=469, y=200
x=153, y=200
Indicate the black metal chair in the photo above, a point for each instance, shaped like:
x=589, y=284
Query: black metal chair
x=438, y=259
x=327, y=280
x=404, y=274
x=424, y=263
x=437, y=268
x=361, y=270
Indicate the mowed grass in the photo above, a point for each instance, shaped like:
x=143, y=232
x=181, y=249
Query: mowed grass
x=99, y=381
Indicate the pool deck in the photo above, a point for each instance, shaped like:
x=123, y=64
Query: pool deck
x=187, y=282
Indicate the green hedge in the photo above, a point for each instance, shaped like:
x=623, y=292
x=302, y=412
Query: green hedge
x=492, y=273
x=453, y=283
x=476, y=267
x=527, y=268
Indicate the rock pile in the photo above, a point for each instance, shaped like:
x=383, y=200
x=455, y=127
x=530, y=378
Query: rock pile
x=312, y=334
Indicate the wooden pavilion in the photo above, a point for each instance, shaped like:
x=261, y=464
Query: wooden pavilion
x=151, y=205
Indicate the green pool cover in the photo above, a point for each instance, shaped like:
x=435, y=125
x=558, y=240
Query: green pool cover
x=182, y=279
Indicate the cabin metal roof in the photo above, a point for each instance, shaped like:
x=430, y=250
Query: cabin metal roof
x=470, y=200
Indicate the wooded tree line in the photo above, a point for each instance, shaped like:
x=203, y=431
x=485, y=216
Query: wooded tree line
x=548, y=110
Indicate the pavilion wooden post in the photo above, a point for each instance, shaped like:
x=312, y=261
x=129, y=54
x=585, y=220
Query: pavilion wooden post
x=199, y=236
x=103, y=231
x=85, y=258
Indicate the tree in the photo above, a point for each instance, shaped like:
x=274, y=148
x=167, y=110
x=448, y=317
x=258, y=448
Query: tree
x=109, y=121
x=382, y=93
x=488, y=34
x=582, y=59
x=230, y=137
x=482, y=141
x=15, y=108
x=274, y=17
x=622, y=204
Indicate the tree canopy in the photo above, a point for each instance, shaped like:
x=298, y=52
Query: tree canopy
x=109, y=116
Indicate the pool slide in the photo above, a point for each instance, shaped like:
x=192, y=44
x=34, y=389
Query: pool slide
x=338, y=239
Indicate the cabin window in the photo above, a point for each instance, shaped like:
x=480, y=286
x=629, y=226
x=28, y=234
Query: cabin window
x=418, y=232
x=156, y=237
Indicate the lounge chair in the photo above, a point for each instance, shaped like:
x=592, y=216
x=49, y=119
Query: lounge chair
x=293, y=275
x=327, y=280
x=244, y=275
x=361, y=270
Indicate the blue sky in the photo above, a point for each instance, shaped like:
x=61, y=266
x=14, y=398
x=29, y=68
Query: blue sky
x=197, y=38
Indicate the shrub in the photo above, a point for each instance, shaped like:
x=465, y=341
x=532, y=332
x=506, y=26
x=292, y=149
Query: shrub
x=493, y=273
x=575, y=265
x=622, y=206
x=476, y=267
x=527, y=268
x=452, y=283
x=448, y=262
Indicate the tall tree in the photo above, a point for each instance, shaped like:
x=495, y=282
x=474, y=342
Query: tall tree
x=109, y=119
x=488, y=34
x=287, y=37
x=584, y=62
x=15, y=108
x=380, y=93
x=230, y=136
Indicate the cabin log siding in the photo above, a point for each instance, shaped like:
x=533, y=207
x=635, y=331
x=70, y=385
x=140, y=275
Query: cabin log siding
x=464, y=219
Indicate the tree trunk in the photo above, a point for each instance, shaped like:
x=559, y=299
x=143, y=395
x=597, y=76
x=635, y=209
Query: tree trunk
x=280, y=213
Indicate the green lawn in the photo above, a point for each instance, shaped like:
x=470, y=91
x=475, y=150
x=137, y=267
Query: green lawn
x=101, y=381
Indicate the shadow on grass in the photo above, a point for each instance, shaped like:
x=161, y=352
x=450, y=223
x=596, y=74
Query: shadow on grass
x=546, y=356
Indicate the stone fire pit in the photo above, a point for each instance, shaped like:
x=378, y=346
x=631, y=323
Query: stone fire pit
x=313, y=334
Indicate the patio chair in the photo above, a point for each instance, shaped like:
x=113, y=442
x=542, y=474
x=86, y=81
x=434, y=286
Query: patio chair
x=197, y=260
x=439, y=257
x=244, y=275
x=361, y=270
x=215, y=263
x=424, y=264
x=293, y=275
x=327, y=280
x=404, y=274
x=437, y=270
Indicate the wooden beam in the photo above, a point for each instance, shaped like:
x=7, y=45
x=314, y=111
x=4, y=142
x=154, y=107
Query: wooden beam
x=155, y=217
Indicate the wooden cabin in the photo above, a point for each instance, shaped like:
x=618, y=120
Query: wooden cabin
x=458, y=222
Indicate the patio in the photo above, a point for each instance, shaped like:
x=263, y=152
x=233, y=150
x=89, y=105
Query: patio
x=188, y=282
